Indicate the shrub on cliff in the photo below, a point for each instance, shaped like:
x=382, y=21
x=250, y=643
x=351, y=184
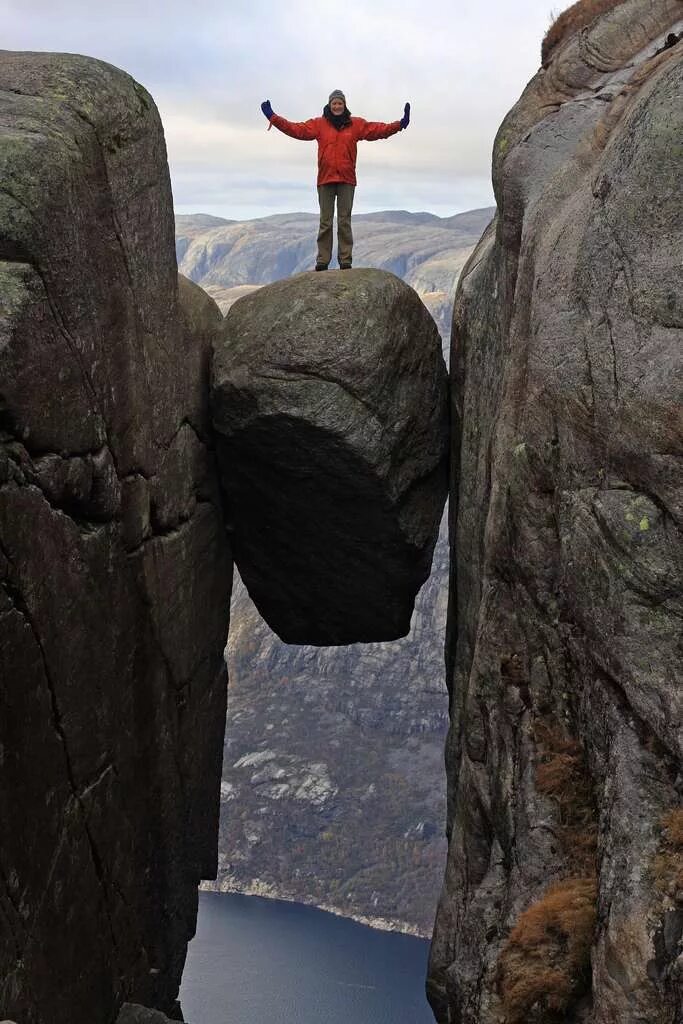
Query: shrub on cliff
x=545, y=964
x=668, y=864
x=562, y=776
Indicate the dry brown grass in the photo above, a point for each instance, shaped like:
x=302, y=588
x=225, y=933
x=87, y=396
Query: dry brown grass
x=562, y=776
x=545, y=963
x=572, y=20
x=668, y=864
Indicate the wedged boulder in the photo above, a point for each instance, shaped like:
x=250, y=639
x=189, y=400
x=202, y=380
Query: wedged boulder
x=329, y=401
x=114, y=565
x=563, y=897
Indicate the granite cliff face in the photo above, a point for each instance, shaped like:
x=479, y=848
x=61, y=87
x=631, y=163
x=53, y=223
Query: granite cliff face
x=563, y=898
x=114, y=565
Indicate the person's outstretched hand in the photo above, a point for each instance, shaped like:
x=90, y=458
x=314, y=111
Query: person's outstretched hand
x=267, y=109
x=405, y=120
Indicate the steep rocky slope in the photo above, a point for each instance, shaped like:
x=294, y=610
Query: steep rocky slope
x=114, y=566
x=563, y=899
x=369, y=842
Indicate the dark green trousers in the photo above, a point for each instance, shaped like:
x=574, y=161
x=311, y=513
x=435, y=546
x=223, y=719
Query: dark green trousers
x=344, y=197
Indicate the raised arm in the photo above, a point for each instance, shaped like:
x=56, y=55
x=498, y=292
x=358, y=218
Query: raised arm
x=304, y=130
x=371, y=131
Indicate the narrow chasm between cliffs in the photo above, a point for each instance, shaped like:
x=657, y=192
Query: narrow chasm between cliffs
x=148, y=445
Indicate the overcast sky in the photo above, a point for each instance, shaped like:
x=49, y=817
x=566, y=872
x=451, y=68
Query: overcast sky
x=208, y=65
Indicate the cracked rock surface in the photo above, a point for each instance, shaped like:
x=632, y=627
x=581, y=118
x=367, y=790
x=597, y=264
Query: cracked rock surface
x=329, y=401
x=114, y=568
x=564, y=756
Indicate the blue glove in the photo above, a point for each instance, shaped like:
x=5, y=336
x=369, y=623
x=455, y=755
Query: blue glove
x=405, y=120
x=267, y=109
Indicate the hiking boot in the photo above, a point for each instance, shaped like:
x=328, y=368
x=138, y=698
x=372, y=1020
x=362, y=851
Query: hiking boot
x=321, y=266
x=344, y=266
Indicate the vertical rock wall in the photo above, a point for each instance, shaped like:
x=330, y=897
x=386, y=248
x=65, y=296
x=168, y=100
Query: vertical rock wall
x=114, y=566
x=563, y=898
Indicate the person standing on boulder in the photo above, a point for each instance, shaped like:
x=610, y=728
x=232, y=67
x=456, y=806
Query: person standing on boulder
x=337, y=134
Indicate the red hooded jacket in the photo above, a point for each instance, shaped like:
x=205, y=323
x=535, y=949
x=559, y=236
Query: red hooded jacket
x=336, y=148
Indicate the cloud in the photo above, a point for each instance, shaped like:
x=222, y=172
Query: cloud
x=462, y=65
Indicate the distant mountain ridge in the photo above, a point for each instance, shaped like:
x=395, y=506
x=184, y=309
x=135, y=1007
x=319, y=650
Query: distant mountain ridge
x=427, y=251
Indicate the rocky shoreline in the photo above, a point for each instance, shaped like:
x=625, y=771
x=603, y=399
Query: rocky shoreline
x=228, y=884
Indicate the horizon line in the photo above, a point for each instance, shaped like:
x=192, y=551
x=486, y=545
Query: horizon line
x=309, y=213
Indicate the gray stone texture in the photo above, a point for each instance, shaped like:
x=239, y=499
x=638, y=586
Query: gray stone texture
x=566, y=517
x=329, y=401
x=132, y=1014
x=114, y=566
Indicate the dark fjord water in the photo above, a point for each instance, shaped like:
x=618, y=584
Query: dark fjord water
x=256, y=960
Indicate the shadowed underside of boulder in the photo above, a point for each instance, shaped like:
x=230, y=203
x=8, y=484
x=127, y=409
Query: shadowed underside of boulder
x=329, y=400
x=563, y=897
x=114, y=569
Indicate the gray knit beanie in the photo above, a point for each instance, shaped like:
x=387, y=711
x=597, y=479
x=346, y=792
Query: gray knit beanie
x=337, y=94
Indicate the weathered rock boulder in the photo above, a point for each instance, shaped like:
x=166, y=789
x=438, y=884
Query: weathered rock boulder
x=329, y=402
x=563, y=898
x=114, y=566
